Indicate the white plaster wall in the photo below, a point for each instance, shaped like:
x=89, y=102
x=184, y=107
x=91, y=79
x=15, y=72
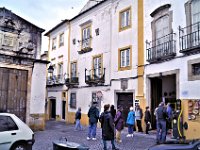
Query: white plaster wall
x=59, y=51
x=57, y=93
x=99, y=18
x=124, y=38
x=38, y=88
x=188, y=89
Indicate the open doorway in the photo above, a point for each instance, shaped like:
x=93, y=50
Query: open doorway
x=163, y=89
x=126, y=101
x=52, y=109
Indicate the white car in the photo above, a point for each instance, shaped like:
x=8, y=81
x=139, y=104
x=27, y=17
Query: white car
x=14, y=133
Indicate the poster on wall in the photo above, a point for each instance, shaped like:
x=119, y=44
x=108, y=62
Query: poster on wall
x=194, y=110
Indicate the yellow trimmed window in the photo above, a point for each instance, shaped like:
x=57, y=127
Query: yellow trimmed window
x=61, y=40
x=53, y=43
x=97, y=66
x=73, y=69
x=86, y=37
x=125, y=19
x=125, y=58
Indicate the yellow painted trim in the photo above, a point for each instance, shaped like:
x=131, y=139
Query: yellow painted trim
x=49, y=52
x=84, y=27
x=97, y=56
x=122, y=11
x=76, y=67
x=53, y=59
x=119, y=58
x=140, y=70
x=60, y=56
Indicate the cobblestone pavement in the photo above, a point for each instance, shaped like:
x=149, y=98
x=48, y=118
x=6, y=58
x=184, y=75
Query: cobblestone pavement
x=56, y=130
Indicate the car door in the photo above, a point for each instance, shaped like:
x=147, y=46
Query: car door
x=8, y=132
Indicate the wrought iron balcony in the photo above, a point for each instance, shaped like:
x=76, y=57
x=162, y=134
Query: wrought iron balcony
x=161, y=49
x=189, y=38
x=85, y=46
x=55, y=80
x=73, y=81
x=95, y=76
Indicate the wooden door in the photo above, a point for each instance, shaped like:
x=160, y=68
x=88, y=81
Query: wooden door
x=156, y=98
x=126, y=101
x=13, y=91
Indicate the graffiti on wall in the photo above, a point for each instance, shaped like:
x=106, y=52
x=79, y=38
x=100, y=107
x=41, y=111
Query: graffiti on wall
x=194, y=110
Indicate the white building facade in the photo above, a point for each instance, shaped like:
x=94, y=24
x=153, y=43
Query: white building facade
x=57, y=72
x=172, y=69
x=103, y=57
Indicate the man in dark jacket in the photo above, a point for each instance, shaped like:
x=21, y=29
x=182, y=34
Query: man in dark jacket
x=93, y=115
x=107, y=125
x=78, y=118
x=147, y=119
x=161, y=115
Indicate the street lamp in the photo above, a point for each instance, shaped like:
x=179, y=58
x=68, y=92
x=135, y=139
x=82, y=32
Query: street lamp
x=50, y=70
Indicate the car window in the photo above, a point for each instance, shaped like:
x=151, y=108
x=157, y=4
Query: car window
x=7, y=124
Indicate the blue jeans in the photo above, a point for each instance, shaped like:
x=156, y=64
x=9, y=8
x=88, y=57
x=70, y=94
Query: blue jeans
x=105, y=144
x=130, y=129
x=92, y=130
x=78, y=125
x=161, y=131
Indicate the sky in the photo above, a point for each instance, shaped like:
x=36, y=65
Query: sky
x=44, y=13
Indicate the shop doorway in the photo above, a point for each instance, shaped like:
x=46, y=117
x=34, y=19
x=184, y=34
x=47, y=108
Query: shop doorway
x=163, y=89
x=53, y=108
x=126, y=101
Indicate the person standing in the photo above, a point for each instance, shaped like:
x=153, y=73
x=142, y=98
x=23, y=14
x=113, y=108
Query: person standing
x=93, y=115
x=107, y=125
x=161, y=123
x=113, y=111
x=78, y=125
x=138, y=117
x=169, y=117
x=147, y=119
x=130, y=122
x=119, y=123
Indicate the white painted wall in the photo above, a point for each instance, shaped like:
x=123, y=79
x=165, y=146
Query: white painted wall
x=56, y=91
x=106, y=18
x=188, y=89
x=38, y=86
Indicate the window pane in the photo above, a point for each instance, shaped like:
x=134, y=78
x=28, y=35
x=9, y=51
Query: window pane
x=73, y=100
x=7, y=124
x=73, y=70
x=127, y=57
x=122, y=59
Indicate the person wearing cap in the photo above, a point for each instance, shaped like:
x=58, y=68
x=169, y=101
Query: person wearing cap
x=147, y=119
x=161, y=115
x=130, y=122
x=119, y=123
x=93, y=115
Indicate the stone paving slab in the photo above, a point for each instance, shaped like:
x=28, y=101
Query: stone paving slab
x=56, y=130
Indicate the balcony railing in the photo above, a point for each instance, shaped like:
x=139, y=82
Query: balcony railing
x=95, y=76
x=161, y=49
x=189, y=38
x=55, y=80
x=71, y=81
x=85, y=46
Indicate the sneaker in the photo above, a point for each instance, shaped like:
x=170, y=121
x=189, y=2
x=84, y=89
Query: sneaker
x=129, y=135
x=88, y=138
x=94, y=139
x=118, y=141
